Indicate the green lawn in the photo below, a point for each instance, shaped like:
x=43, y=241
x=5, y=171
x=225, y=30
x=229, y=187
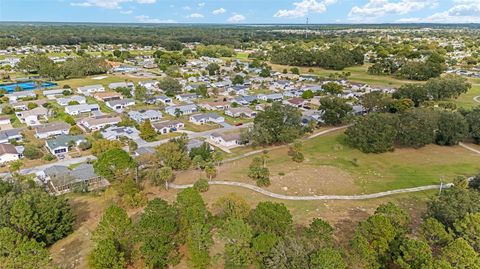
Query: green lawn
x=466, y=100
x=402, y=168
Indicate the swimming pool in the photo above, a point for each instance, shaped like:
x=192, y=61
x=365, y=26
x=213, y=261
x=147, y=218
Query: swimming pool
x=26, y=86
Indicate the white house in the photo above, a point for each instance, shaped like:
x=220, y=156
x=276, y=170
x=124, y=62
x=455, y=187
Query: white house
x=165, y=99
x=8, y=153
x=271, y=96
x=236, y=112
x=88, y=90
x=52, y=129
x=64, y=101
x=120, y=104
x=99, y=122
x=141, y=116
x=226, y=139
x=60, y=144
x=184, y=110
x=165, y=127
x=79, y=109
x=200, y=119
x=8, y=135
x=32, y=117
x=116, y=85
x=186, y=97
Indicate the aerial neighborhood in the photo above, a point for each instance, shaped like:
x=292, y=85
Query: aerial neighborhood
x=153, y=145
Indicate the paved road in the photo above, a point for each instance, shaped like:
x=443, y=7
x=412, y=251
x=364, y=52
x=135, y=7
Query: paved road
x=476, y=99
x=468, y=148
x=316, y=197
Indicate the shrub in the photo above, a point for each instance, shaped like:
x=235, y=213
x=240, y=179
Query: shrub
x=201, y=185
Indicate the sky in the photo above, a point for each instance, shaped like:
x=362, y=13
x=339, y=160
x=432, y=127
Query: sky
x=242, y=11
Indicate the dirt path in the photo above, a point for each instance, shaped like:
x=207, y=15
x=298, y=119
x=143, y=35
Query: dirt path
x=468, y=148
x=316, y=197
x=476, y=99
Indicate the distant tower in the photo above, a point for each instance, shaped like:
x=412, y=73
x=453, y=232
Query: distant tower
x=306, y=29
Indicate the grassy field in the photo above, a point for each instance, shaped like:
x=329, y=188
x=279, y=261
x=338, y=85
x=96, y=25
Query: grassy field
x=78, y=82
x=331, y=167
x=466, y=100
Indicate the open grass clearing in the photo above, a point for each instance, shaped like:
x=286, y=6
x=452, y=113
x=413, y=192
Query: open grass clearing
x=331, y=167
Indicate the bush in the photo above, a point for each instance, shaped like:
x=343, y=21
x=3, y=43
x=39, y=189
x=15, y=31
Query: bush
x=201, y=185
x=32, y=153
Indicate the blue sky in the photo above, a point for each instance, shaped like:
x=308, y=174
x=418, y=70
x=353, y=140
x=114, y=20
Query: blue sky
x=242, y=11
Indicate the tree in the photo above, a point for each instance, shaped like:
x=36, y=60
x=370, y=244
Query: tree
x=238, y=80
x=199, y=240
x=191, y=209
x=459, y=254
x=156, y=229
x=435, y=233
x=327, y=258
x=210, y=170
x=413, y=254
x=334, y=110
x=238, y=235
x=289, y=252
x=452, y=128
x=308, y=94
x=173, y=155
x=416, y=128
x=37, y=215
x=69, y=119
x=332, y=88
x=277, y=124
x=115, y=225
x=107, y=255
x=30, y=152
x=468, y=228
x=170, y=86
x=204, y=151
x=18, y=251
x=141, y=93
x=201, y=185
x=217, y=157
x=147, y=132
x=295, y=151
x=295, y=70
x=374, y=133
x=263, y=244
x=473, y=120
x=415, y=92
x=320, y=233
x=448, y=86
x=376, y=101
x=258, y=172
x=454, y=204
x=212, y=68
x=114, y=162
x=231, y=206
x=100, y=146
x=270, y=217
x=397, y=216
x=75, y=130
x=165, y=175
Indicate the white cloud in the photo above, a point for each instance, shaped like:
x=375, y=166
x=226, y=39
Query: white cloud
x=147, y=19
x=236, y=18
x=378, y=8
x=195, y=16
x=201, y=4
x=463, y=11
x=109, y=4
x=303, y=8
x=219, y=11
x=126, y=12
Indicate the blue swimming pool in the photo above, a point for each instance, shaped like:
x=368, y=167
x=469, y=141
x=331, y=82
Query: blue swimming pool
x=26, y=86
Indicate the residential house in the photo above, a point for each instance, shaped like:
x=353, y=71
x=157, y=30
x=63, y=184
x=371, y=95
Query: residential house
x=51, y=94
x=226, y=139
x=188, y=97
x=271, y=96
x=52, y=129
x=8, y=153
x=33, y=117
x=98, y=122
x=83, y=108
x=90, y=89
x=116, y=85
x=143, y=115
x=183, y=109
x=60, y=145
x=216, y=105
x=119, y=105
x=64, y=101
x=107, y=96
x=165, y=127
x=244, y=100
x=200, y=119
x=10, y=135
x=165, y=99
x=15, y=96
x=236, y=112
x=149, y=84
x=4, y=120
x=295, y=102
x=60, y=179
x=114, y=133
x=24, y=105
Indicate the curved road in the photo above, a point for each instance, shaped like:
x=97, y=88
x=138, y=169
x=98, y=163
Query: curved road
x=315, y=197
